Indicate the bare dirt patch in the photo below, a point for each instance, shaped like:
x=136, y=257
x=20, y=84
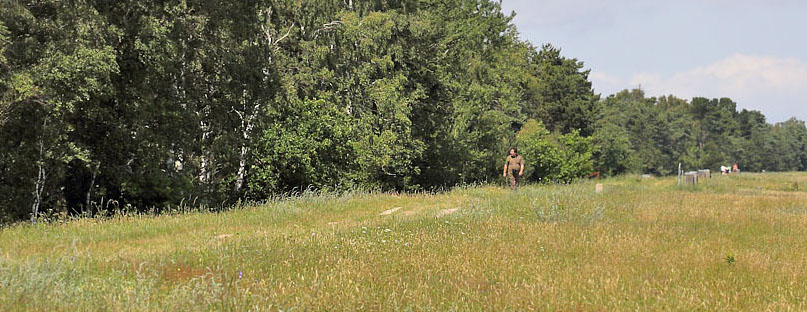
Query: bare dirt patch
x=445, y=212
x=389, y=211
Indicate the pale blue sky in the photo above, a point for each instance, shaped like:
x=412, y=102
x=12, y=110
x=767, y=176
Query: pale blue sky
x=752, y=51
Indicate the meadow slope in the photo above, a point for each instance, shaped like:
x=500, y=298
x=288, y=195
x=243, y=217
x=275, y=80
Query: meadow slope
x=730, y=243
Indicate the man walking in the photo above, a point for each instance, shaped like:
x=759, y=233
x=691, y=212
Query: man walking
x=514, y=168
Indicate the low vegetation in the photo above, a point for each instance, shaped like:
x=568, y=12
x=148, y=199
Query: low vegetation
x=730, y=243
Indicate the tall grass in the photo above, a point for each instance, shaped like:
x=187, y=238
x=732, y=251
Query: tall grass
x=730, y=243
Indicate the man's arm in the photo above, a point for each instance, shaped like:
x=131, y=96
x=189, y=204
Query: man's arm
x=521, y=171
x=504, y=172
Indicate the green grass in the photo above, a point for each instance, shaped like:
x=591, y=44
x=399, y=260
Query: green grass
x=730, y=243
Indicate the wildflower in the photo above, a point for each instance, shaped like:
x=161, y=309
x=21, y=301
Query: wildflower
x=387, y=230
x=240, y=274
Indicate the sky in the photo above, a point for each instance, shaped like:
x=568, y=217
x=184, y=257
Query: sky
x=752, y=51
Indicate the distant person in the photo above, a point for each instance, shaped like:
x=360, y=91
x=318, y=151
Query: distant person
x=735, y=168
x=514, y=168
x=724, y=170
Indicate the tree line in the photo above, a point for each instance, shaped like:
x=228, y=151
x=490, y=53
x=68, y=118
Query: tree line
x=140, y=105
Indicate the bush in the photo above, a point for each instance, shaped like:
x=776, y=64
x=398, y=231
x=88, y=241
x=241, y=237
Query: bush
x=553, y=158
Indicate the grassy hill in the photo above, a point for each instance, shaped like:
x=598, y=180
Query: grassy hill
x=731, y=243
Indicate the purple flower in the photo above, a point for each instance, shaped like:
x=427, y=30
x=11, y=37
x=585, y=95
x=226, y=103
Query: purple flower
x=240, y=274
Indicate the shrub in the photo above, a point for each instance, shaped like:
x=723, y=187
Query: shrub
x=554, y=158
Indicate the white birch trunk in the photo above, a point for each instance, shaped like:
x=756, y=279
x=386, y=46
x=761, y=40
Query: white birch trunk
x=242, y=168
x=204, y=166
x=247, y=124
x=92, y=184
x=39, y=186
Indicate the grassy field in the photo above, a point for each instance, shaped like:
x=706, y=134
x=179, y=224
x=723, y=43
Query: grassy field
x=730, y=243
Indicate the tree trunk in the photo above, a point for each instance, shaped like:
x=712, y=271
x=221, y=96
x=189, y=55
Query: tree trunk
x=92, y=183
x=38, y=187
x=204, y=166
x=206, y=124
x=247, y=124
x=242, y=159
x=242, y=168
x=40, y=177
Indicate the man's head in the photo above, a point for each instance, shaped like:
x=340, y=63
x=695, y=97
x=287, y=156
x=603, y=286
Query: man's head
x=513, y=152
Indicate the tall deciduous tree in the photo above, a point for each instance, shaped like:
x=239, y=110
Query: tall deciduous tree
x=564, y=99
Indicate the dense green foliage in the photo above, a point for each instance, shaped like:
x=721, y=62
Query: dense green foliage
x=146, y=104
x=553, y=157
